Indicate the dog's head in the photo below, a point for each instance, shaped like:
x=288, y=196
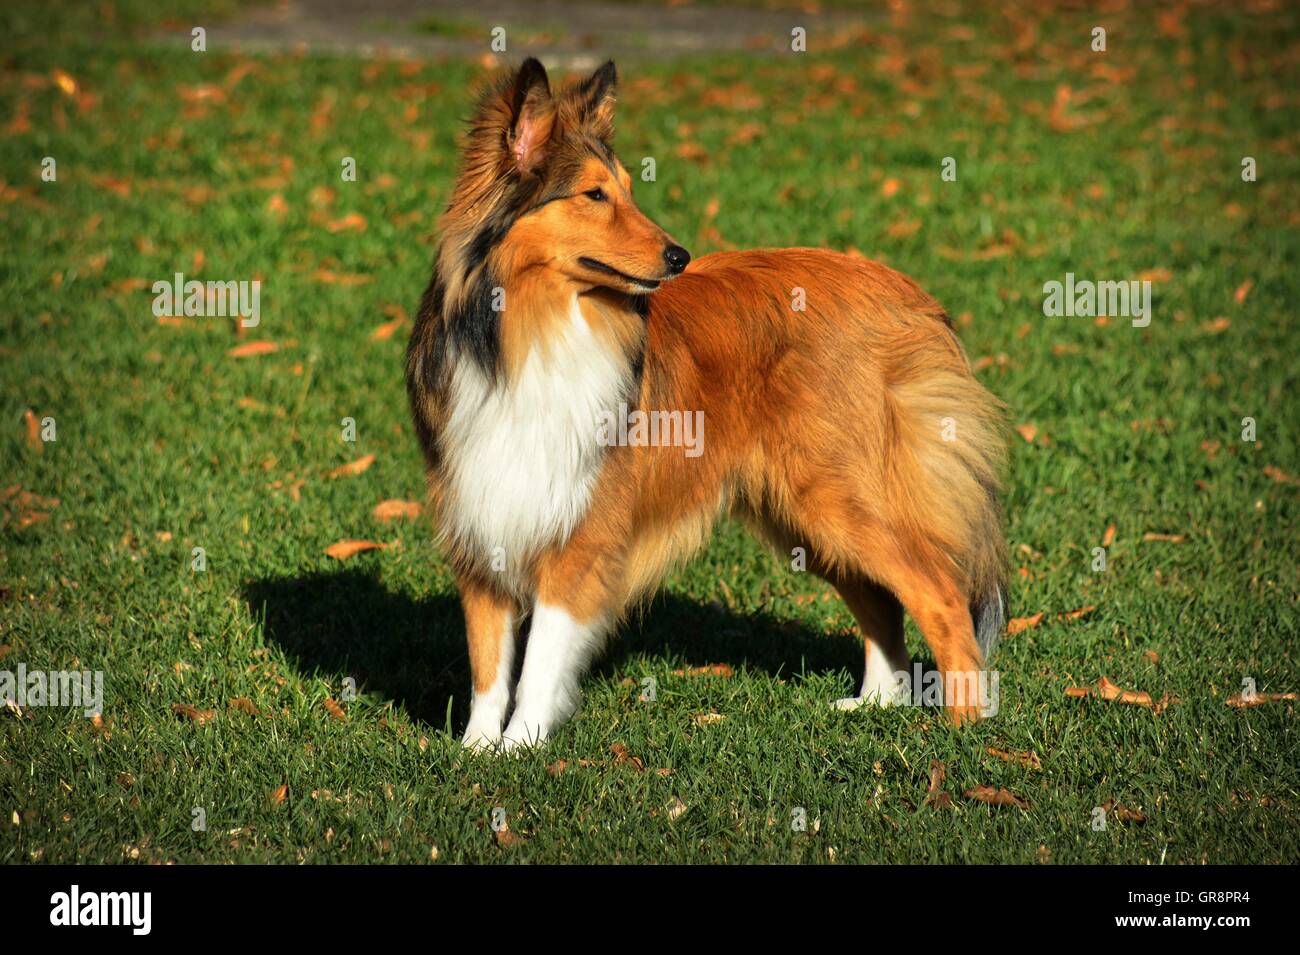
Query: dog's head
x=540, y=188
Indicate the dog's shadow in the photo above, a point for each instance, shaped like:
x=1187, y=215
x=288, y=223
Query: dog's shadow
x=413, y=651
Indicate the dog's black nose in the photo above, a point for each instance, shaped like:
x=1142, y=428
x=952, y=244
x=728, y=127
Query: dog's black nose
x=677, y=258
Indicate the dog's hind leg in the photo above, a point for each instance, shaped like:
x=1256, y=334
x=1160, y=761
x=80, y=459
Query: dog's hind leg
x=490, y=630
x=880, y=618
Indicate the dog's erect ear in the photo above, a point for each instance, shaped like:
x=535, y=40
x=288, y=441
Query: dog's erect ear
x=596, y=101
x=532, y=116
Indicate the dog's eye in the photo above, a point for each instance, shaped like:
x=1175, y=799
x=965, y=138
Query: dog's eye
x=596, y=195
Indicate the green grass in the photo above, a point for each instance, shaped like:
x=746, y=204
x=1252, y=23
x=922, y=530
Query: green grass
x=169, y=154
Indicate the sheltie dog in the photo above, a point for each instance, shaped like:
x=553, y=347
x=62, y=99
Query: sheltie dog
x=840, y=418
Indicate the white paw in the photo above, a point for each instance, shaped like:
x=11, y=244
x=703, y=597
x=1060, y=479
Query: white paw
x=888, y=694
x=522, y=734
x=479, y=740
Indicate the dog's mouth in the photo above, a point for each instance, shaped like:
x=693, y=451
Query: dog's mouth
x=649, y=284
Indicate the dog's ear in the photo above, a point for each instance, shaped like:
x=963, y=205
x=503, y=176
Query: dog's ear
x=532, y=116
x=596, y=101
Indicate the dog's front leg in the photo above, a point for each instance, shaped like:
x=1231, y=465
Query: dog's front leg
x=571, y=618
x=490, y=631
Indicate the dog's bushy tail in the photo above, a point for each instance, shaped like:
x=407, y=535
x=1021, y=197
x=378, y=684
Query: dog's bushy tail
x=955, y=431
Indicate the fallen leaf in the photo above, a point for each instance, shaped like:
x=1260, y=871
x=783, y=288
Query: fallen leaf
x=244, y=705
x=1027, y=431
x=393, y=509
x=1108, y=538
x=334, y=709
x=1170, y=538
x=707, y=719
x=996, y=797
x=1028, y=758
x=193, y=713
x=676, y=808
x=350, y=548
x=279, y=794
x=1122, y=813
x=1242, y=291
x=715, y=669
x=33, y=430
x=934, y=794
x=1241, y=701
x=248, y=349
x=352, y=468
x=890, y=187
x=1278, y=475
x=1019, y=624
x=352, y=222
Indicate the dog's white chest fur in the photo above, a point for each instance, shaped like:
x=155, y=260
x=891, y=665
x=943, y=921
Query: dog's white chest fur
x=521, y=457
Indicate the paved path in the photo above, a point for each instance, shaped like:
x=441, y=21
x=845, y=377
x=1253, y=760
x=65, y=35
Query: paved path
x=571, y=34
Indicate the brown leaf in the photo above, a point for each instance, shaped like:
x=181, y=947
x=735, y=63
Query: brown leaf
x=352, y=222
x=1027, y=431
x=1076, y=614
x=352, y=468
x=1241, y=701
x=890, y=187
x=1242, y=291
x=334, y=710
x=1019, y=624
x=33, y=430
x=193, y=713
x=714, y=669
x=1122, y=813
x=391, y=510
x=398, y=318
x=1278, y=475
x=350, y=548
x=1108, y=538
x=244, y=705
x=1169, y=538
x=934, y=794
x=249, y=349
x=1155, y=275
x=279, y=794
x=1028, y=758
x=996, y=797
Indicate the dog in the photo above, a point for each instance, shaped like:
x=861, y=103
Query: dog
x=841, y=420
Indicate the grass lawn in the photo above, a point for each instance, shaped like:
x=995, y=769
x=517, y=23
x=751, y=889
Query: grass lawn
x=1113, y=166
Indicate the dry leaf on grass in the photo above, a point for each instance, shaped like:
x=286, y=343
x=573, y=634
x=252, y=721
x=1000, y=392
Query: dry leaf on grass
x=244, y=705
x=279, y=794
x=352, y=468
x=1123, y=813
x=350, y=548
x=1108, y=538
x=1019, y=624
x=334, y=709
x=392, y=510
x=193, y=713
x=249, y=349
x=33, y=424
x=1242, y=291
x=1112, y=692
x=1169, y=538
x=934, y=794
x=996, y=797
x=1026, y=758
x=713, y=669
x=398, y=318
x=1241, y=700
